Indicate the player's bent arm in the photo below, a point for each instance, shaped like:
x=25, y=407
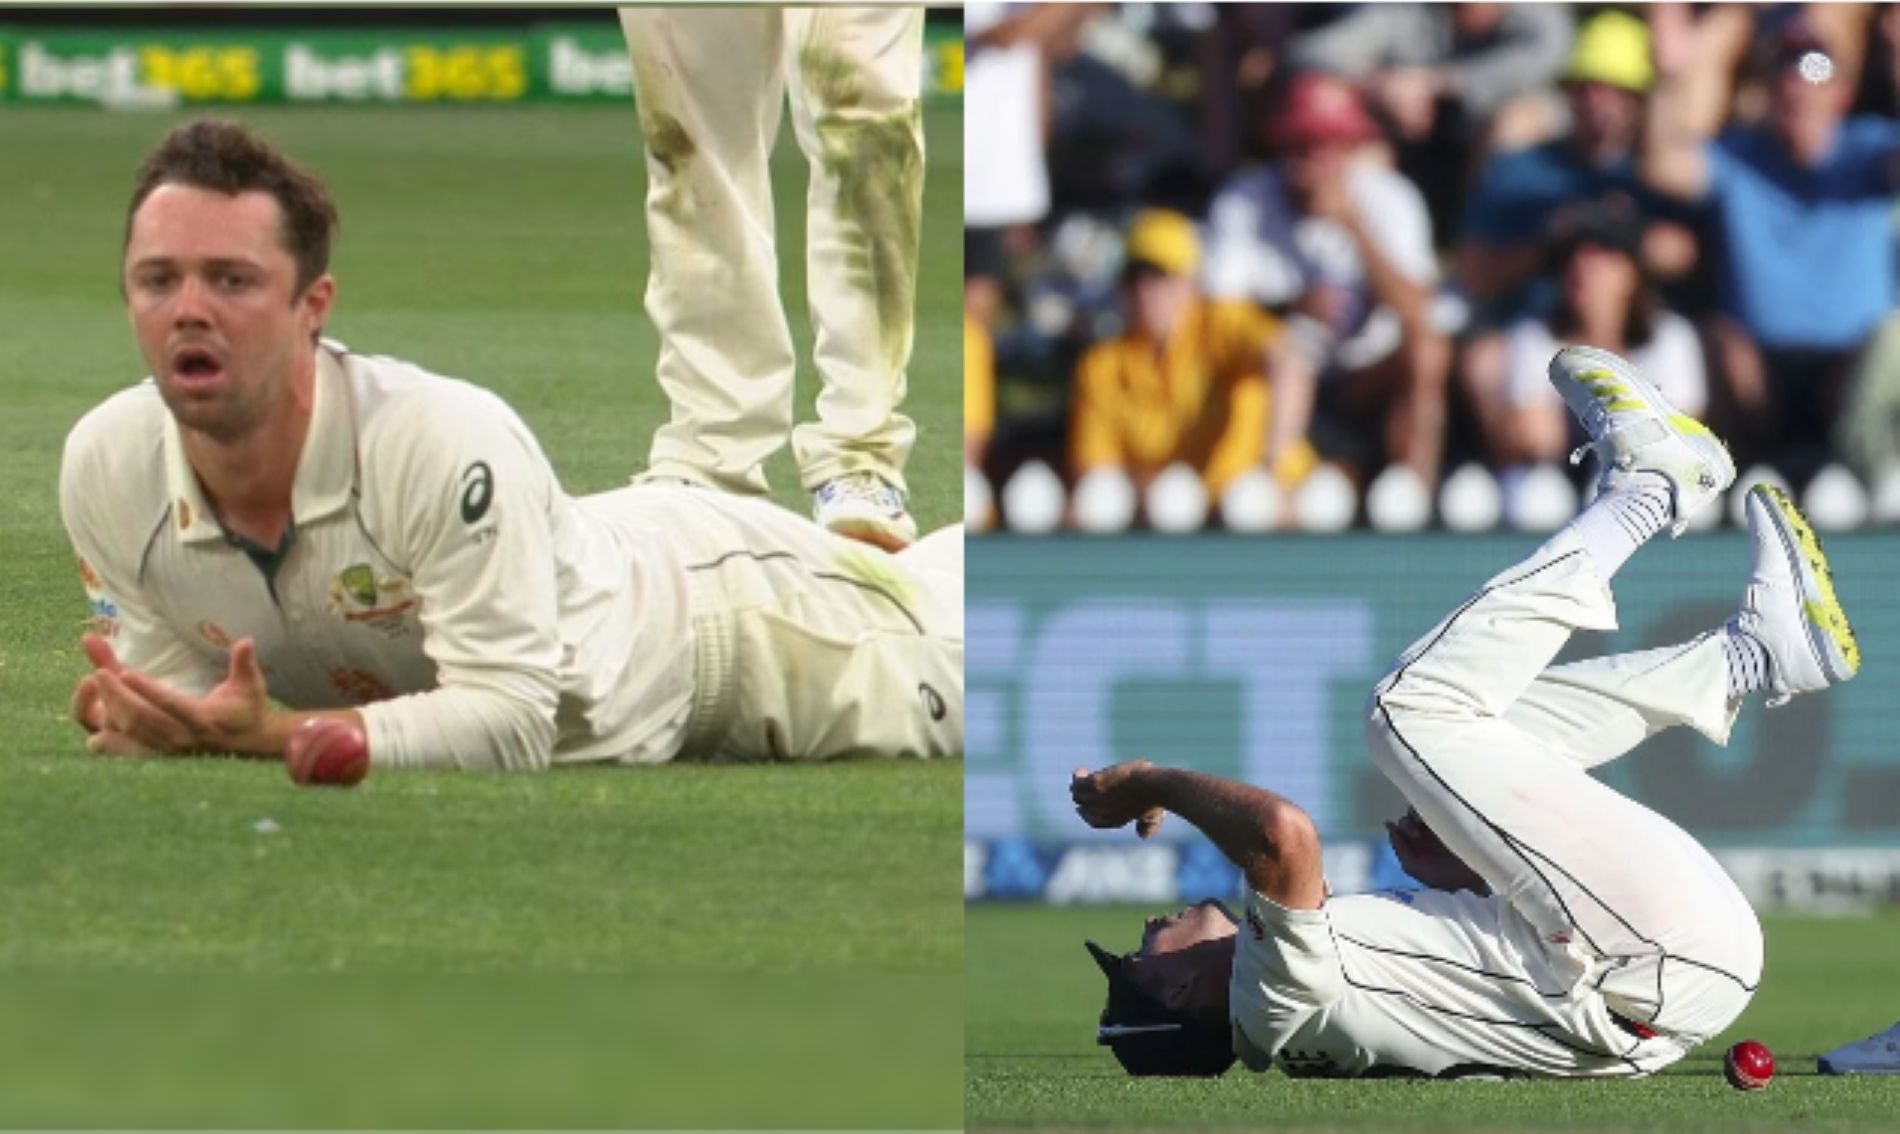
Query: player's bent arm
x=472, y=729
x=471, y=513
x=108, y=536
x=1267, y=836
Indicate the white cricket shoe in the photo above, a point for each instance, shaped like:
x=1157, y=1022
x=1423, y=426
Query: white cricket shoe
x=863, y=506
x=1633, y=428
x=1791, y=607
x=1875, y=1055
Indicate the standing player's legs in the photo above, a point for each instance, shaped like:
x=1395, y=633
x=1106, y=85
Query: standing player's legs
x=710, y=87
x=856, y=79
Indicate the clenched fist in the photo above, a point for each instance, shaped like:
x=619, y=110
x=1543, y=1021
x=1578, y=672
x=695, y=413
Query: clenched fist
x=1118, y=795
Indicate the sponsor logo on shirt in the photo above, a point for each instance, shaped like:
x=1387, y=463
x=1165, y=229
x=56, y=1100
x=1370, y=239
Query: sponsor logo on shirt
x=478, y=491
x=105, y=612
x=933, y=701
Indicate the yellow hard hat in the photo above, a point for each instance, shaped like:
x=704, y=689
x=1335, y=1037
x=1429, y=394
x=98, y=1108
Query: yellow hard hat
x=1165, y=239
x=1612, y=48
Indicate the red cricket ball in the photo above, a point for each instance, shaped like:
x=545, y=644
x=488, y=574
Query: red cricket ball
x=1749, y=1066
x=326, y=751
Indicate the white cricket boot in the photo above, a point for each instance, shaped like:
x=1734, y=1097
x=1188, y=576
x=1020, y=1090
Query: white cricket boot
x=863, y=506
x=1791, y=607
x=1633, y=428
x=1875, y=1055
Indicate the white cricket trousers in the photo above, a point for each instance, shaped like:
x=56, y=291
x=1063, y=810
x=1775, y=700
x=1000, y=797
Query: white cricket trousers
x=710, y=84
x=1492, y=746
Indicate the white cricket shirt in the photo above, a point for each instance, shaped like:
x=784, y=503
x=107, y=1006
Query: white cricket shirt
x=1423, y=982
x=437, y=577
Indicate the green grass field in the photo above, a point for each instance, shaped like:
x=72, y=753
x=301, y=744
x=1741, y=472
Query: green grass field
x=679, y=946
x=1033, y=995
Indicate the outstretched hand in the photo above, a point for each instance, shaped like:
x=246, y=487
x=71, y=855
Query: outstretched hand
x=129, y=713
x=1116, y=796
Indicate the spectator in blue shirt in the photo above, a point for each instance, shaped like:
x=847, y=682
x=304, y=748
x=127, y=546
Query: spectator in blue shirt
x=1519, y=194
x=1802, y=207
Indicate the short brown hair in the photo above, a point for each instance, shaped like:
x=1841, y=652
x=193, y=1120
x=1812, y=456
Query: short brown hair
x=228, y=157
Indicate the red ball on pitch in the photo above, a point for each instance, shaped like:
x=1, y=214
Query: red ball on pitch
x=1748, y=1066
x=326, y=751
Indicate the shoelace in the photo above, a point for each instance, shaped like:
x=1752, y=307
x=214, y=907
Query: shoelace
x=1601, y=448
x=1749, y=620
x=869, y=489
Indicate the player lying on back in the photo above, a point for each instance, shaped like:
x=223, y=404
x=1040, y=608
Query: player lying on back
x=273, y=516
x=1572, y=931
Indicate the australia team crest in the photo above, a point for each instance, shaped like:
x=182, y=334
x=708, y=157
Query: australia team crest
x=382, y=604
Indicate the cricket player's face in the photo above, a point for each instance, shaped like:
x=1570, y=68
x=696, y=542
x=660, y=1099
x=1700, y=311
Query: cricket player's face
x=212, y=293
x=1204, y=921
x=1182, y=963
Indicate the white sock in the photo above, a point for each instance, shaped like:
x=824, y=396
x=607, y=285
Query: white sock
x=1747, y=661
x=1622, y=520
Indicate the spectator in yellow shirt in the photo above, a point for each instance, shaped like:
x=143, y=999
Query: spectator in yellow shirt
x=979, y=391
x=1186, y=381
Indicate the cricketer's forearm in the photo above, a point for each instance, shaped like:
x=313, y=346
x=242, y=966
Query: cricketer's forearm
x=1266, y=835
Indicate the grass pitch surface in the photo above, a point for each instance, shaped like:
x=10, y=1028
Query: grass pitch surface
x=681, y=946
x=1033, y=996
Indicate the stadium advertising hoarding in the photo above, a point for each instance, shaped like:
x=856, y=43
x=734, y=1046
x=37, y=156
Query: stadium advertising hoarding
x=1252, y=657
x=563, y=62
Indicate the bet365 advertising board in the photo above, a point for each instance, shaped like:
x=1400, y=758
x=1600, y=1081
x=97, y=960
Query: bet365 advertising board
x=561, y=62
x=1252, y=657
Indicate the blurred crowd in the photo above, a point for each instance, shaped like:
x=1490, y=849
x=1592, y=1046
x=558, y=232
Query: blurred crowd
x=1302, y=265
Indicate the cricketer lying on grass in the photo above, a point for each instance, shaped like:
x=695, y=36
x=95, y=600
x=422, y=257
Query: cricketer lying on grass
x=274, y=516
x=1568, y=930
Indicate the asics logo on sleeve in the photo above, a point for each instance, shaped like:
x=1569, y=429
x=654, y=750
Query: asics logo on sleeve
x=933, y=701
x=478, y=490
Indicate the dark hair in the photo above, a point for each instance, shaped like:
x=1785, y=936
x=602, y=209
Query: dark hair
x=1149, y=1038
x=1134, y=271
x=1614, y=225
x=228, y=157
